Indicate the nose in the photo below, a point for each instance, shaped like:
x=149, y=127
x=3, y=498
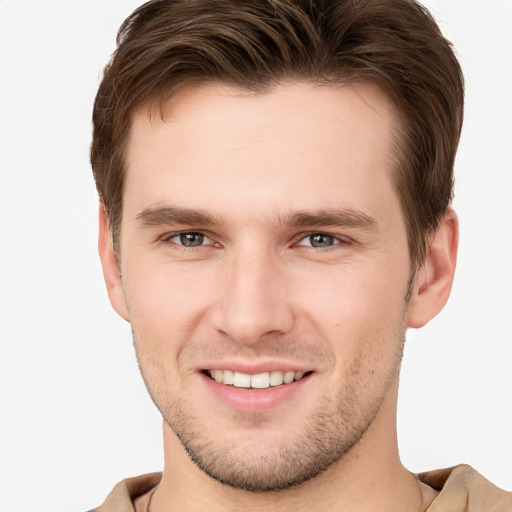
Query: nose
x=253, y=301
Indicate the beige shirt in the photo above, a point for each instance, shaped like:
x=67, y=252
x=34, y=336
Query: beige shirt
x=462, y=490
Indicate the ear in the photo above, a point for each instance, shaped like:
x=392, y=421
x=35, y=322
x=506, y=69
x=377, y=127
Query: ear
x=433, y=281
x=110, y=264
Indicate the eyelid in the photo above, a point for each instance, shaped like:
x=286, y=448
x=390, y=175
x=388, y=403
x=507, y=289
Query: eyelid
x=210, y=241
x=169, y=236
x=339, y=239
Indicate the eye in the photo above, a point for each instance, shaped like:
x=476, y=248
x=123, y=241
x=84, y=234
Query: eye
x=319, y=240
x=189, y=239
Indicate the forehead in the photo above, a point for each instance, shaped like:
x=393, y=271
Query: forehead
x=215, y=142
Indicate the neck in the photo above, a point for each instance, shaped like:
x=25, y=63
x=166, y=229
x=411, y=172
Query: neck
x=369, y=478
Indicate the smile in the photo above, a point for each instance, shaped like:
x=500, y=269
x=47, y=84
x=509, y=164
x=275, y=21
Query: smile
x=257, y=381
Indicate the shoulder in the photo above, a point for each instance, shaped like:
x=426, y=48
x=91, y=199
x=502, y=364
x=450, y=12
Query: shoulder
x=125, y=492
x=465, y=490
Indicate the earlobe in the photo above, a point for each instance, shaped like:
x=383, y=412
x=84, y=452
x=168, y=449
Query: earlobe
x=434, y=279
x=110, y=264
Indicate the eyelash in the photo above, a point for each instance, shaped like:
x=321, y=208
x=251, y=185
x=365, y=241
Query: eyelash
x=170, y=236
x=337, y=240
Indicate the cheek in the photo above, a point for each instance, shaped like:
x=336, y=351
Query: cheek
x=165, y=309
x=348, y=299
x=162, y=296
x=361, y=320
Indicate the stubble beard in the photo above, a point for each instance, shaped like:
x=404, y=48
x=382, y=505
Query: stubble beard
x=329, y=431
x=325, y=439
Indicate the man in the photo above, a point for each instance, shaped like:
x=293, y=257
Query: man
x=275, y=181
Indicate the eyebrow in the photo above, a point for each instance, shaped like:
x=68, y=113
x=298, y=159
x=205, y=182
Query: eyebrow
x=332, y=217
x=157, y=216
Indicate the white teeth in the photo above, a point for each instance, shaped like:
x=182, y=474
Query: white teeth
x=257, y=381
x=241, y=380
x=276, y=378
x=228, y=376
x=288, y=377
x=260, y=380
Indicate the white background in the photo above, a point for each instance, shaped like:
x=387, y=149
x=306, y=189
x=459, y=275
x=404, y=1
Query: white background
x=75, y=417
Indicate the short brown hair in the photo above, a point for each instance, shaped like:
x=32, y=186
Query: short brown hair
x=254, y=44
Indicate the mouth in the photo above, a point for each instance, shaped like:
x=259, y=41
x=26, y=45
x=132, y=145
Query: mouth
x=261, y=380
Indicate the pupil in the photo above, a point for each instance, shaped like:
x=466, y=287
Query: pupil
x=320, y=240
x=191, y=239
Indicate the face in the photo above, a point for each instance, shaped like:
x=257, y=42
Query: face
x=265, y=270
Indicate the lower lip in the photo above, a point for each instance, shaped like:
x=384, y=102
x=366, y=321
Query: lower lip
x=254, y=400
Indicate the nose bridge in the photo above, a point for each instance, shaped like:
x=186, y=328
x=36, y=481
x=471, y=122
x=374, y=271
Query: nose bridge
x=253, y=299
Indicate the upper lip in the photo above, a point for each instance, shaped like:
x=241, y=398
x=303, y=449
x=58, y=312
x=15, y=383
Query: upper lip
x=254, y=367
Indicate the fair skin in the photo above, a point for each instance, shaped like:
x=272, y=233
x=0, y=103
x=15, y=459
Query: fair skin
x=261, y=235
